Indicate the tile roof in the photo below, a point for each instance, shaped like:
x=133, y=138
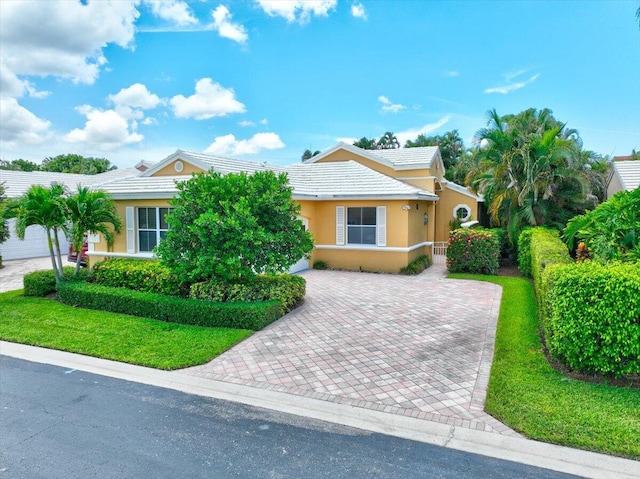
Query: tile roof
x=422, y=156
x=18, y=182
x=628, y=171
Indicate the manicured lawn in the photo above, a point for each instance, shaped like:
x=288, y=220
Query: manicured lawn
x=147, y=342
x=527, y=394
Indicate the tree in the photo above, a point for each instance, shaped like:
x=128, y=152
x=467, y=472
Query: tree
x=308, y=154
x=4, y=227
x=531, y=171
x=72, y=163
x=450, y=144
x=44, y=207
x=366, y=143
x=19, y=165
x=91, y=211
x=233, y=226
x=612, y=230
x=388, y=141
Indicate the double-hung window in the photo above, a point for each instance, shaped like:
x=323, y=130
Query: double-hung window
x=152, y=227
x=361, y=225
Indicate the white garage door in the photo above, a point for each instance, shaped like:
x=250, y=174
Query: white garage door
x=34, y=244
x=304, y=262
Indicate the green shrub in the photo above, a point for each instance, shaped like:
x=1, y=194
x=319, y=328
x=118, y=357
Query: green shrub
x=473, y=251
x=320, y=264
x=254, y=316
x=417, y=266
x=524, y=252
x=140, y=275
x=593, y=325
x=43, y=282
x=289, y=290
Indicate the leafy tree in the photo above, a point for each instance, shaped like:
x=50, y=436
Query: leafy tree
x=19, y=165
x=450, y=144
x=44, y=207
x=233, y=226
x=4, y=227
x=531, y=170
x=308, y=154
x=91, y=211
x=366, y=143
x=388, y=141
x=612, y=230
x=72, y=163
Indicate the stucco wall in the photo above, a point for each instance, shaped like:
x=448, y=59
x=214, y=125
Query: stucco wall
x=170, y=170
x=449, y=199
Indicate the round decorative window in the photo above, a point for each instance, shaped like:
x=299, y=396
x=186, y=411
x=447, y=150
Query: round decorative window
x=462, y=213
x=179, y=166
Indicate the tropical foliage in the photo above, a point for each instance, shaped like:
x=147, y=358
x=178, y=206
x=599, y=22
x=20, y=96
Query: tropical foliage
x=385, y=142
x=69, y=163
x=233, y=226
x=91, y=211
x=531, y=170
x=308, y=154
x=612, y=230
x=4, y=228
x=450, y=144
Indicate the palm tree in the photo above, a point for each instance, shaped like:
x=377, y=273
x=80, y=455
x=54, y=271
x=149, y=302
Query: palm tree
x=530, y=170
x=91, y=211
x=366, y=143
x=308, y=154
x=388, y=141
x=44, y=207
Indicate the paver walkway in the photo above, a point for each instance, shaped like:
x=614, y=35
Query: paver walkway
x=416, y=346
x=13, y=271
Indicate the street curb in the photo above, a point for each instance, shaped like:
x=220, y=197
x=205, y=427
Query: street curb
x=525, y=451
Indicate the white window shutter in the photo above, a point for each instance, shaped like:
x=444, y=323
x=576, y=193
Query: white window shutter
x=131, y=229
x=381, y=226
x=340, y=225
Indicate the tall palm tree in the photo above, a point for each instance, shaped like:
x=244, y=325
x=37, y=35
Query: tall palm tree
x=91, y=211
x=388, y=141
x=44, y=207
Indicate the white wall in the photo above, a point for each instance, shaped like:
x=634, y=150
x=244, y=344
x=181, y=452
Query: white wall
x=34, y=244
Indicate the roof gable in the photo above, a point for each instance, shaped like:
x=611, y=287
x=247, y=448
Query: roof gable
x=628, y=173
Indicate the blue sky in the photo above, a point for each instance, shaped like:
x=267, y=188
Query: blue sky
x=264, y=80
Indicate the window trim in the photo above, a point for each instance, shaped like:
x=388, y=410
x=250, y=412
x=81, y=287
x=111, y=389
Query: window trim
x=158, y=230
x=466, y=217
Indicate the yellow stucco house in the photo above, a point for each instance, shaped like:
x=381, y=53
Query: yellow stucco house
x=369, y=210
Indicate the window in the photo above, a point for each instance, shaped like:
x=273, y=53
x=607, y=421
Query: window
x=361, y=225
x=152, y=227
x=462, y=213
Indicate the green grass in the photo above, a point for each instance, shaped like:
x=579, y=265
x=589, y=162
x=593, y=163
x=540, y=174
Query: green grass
x=527, y=394
x=147, y=342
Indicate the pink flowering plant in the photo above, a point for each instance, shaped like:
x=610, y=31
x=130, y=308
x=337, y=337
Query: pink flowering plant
x=475, y=251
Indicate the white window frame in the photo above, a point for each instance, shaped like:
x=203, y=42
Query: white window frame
x=158, y=230
x=466, y=217
x=380, y=228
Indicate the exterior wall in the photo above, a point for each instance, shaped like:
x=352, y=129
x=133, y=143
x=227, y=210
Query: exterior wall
x=449, y=199
x=614, y=185
x=169, y=170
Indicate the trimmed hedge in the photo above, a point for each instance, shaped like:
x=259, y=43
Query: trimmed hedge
x=524, y=251
x=474, y=251
x=417, y=266
x=593, y=322
x=140, y=275
x=287, y=289
x=254, y=316
x=43, y=282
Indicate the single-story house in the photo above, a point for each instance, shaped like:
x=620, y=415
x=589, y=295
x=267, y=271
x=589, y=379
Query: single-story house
x=624, y=176
x=16, y=183
x=367, y=210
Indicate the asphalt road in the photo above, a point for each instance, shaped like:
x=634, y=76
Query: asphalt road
x=60, y=423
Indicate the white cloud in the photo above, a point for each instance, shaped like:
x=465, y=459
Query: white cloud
x=264, y=121
x=297, y=10
x=229, y=146
x=210, y=100
x=246, y=123
x=509, y=87
x=358, y=11
x=347, y=139
x=19, y=126
x=387, y=106
x=225, y=27
x=136, y=96
x=63, y=39
x=412, y=134
x=13, y=87
x=451, y=74
x=104, y=129
x=175, y=11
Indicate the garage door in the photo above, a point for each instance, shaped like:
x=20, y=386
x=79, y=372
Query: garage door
x=304, y=262
x=34, y=244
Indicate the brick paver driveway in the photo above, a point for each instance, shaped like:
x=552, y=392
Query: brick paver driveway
x=416, y=346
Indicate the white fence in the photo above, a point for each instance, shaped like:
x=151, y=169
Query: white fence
x=439, y=252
